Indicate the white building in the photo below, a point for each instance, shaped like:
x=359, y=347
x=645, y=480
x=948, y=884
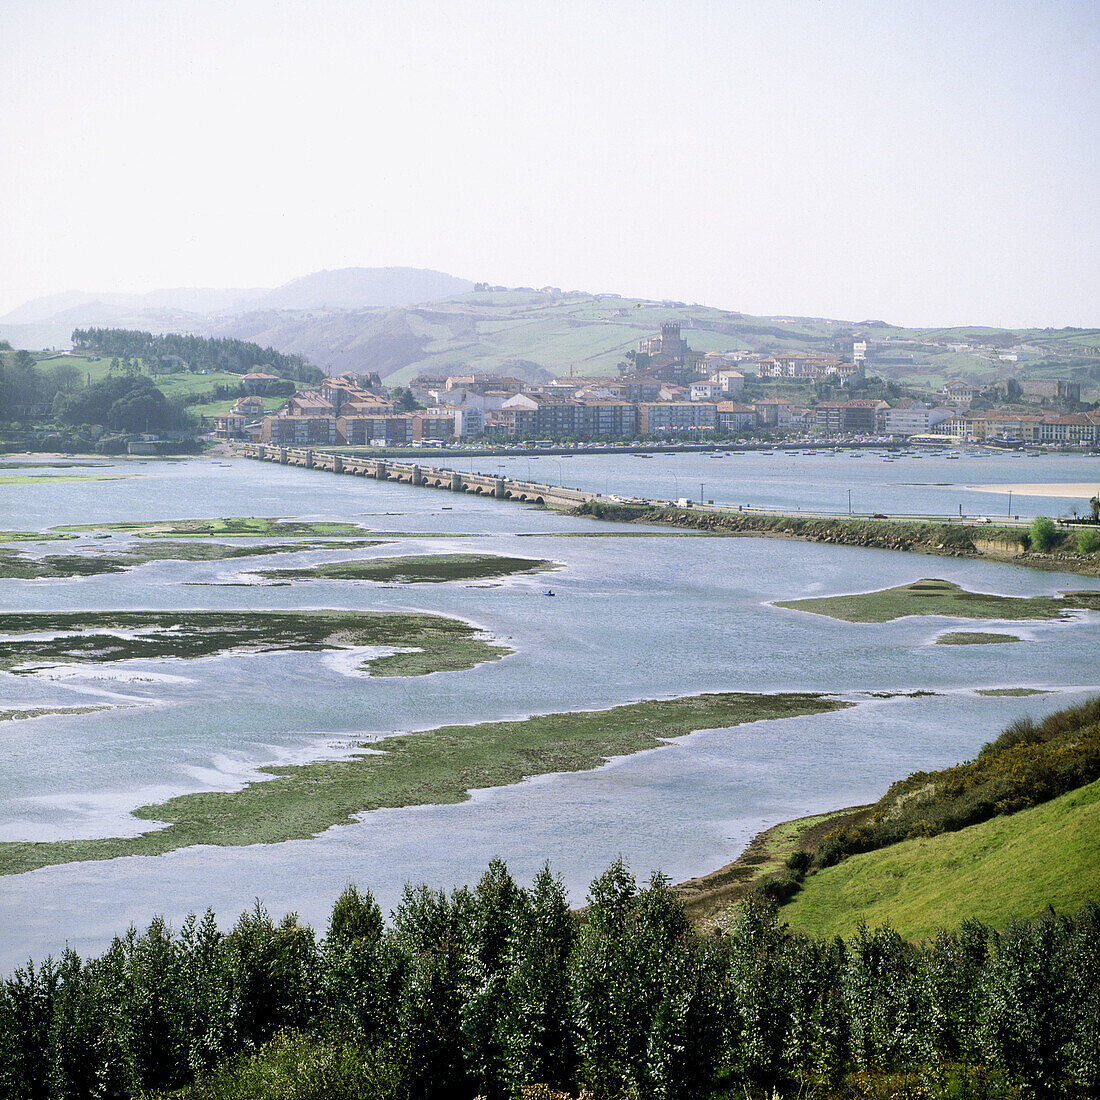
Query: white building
x=731, y=381
x=916, y=421
x=705, y=391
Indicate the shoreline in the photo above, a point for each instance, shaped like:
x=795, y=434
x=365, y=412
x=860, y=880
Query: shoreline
x=1066, y=490
x=709, y=898
x=920, y=536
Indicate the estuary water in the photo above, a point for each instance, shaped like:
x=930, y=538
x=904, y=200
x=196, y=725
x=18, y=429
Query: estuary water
x=651, y=614
x=917, y=482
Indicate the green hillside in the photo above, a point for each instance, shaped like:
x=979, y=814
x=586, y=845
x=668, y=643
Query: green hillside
x=1003, y=868
x=506, y=331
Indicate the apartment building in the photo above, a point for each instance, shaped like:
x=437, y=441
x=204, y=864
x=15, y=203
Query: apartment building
x=669, y=417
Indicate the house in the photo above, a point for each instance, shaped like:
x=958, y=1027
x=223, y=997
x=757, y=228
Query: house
x=960, y=393
x=249, y=406
x=704, y=391
x=733, y=418
x=731, y=382
x=773, y=412
x=257, y=381
x=229, y=426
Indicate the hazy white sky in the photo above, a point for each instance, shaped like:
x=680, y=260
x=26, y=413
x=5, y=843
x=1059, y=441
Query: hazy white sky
x=925, y=163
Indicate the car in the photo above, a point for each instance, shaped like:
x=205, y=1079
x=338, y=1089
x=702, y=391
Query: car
x=879, y=515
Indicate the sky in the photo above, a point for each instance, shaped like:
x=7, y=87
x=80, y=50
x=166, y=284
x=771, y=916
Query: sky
x=924, y=163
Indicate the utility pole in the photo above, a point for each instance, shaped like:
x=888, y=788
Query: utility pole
x=849, y=502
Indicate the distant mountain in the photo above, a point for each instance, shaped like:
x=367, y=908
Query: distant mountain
x=105, y=308
x=364, y=288
x=345, y=288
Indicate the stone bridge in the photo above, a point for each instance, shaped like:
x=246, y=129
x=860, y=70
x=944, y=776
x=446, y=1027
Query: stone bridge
x=414, y=473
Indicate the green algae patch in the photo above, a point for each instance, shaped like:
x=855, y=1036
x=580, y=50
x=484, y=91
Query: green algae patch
x=437, y=767
x=38, y=479
x=418, y=569
x=235, y=527
x=19, y=713
x=15, y=565
x=1010, y=693
x=939, y=597
x=32, y=536
x=31, y=640
x=974, y=637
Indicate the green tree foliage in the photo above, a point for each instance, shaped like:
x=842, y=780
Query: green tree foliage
x=1088, y=541
x=500, y=991
x=1042, y=533
x=199, y=352
x=131, y=404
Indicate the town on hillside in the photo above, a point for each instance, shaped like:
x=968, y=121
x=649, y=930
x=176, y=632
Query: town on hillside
x=665, y=391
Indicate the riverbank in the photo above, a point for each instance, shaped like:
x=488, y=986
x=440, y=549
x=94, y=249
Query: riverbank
x=932, y=536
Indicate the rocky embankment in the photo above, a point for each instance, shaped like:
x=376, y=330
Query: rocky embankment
x=959, y=540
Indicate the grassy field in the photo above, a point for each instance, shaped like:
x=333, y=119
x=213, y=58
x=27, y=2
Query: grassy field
x=436, y=767
x=1008, y=867
x=938, y=597
x=177, y=386
x=441, y=644
x=418, y=569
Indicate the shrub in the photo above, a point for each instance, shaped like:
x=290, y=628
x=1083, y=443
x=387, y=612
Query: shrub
x=1088, y=540
x=1043, y=533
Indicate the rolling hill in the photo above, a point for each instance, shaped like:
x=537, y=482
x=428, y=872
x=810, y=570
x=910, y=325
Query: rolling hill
x=403, y=322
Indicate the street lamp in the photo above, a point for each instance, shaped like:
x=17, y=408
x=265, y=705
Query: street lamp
x=1009, y=503
x=849, y=502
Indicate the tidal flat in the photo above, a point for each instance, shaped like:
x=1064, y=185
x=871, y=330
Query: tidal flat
x=439, y=644
x=18, y=714
x=38, y=479
x=233, y=527
x=931, y=596
x=16, y=565
x=437, y=767
x=418, y=569
x=974, y=637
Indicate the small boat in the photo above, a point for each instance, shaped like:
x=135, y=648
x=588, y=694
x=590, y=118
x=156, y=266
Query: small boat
x=549, y=592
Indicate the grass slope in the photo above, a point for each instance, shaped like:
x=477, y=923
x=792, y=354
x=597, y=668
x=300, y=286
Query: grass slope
x=1006, y=867
x=436, y=767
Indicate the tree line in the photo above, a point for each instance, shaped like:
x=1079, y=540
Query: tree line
x=198, y=352
x=501, y=991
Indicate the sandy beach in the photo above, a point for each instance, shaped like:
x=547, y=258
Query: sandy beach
x=1068, y=489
